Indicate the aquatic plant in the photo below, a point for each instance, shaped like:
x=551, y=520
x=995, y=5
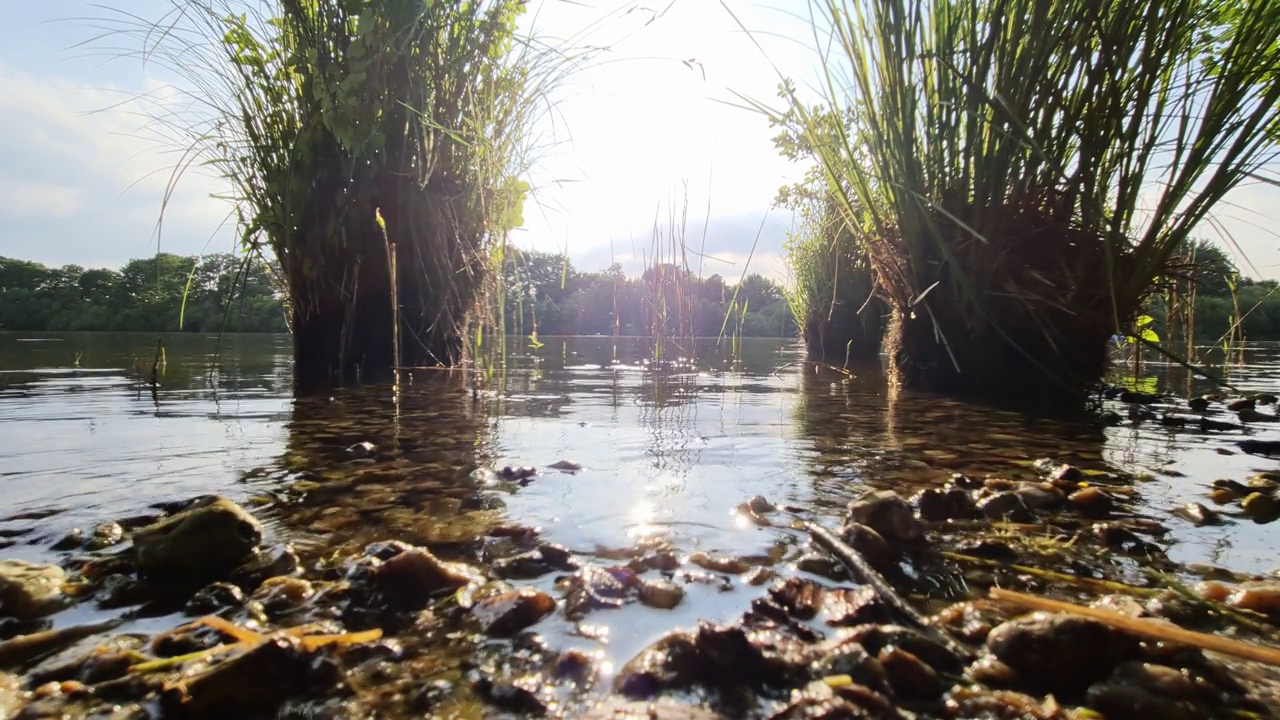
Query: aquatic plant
x=324, y=115
x=1021, y=171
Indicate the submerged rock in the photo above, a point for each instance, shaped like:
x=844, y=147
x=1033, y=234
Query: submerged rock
x=28, y=590
x=255, y=682
x=508, y=613
x=1197, y=514
x=202, y=542
x=887, y=513
x=661, y=594
x=1115, y=700
x=871, y=545
x=835, y=699
x=1055, y=653
x=671, y=662
x=1006, y=506
x=909, y=676
x=409, y=578
x=1091, y=502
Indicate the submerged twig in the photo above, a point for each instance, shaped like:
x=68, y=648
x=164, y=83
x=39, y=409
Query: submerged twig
x=863, y=572
x=25, y=648
x=1094, y=583
x=1144, y=628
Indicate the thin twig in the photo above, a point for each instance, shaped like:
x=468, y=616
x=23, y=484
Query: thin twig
x=863, y=572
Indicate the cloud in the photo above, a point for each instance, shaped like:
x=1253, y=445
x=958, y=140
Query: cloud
x=82, y=182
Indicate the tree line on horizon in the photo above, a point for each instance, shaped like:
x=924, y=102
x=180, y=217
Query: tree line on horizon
x=543, y=293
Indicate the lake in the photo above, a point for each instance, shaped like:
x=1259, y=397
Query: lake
x=667, y=451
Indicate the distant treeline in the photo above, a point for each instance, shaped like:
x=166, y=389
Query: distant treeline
x=543, y=291
x=144, y=295
x=1216, y=279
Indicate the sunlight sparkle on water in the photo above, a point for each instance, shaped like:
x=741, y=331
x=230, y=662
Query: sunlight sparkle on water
x=641, y=521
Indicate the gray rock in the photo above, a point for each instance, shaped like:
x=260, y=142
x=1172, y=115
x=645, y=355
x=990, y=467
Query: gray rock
x=202, y=542
x=887, y=513
x=28, y=590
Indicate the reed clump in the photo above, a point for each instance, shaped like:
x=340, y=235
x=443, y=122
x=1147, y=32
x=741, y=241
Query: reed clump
x=1020, y=172
x=832, y=286
x=349, y=129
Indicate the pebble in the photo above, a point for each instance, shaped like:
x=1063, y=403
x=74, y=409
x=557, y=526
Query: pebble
x=909, y=676
x=410, y=578
x=1114, y=700
x=661, y=594
x=731, y=566
x=1060, y=654
x=1091, y=502
x=871, y=545
x=1197, y=514
x=1040, y=497
x=507, y=613
x=1261, y=507
x=28, y=590
x=1005, y=506
x=887, y=513
x=207, y=539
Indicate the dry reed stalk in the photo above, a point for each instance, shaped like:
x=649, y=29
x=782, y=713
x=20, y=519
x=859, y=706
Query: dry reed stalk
x=1144, y=628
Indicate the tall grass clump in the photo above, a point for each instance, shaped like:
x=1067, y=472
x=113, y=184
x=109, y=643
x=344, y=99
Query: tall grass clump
x=359, y=136
x=831, y=289
x=1020, y=171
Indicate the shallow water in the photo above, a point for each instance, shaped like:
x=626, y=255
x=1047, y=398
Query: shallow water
x=667, y=452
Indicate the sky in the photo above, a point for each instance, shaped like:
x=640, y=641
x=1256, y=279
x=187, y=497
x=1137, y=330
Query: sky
x=647, y=130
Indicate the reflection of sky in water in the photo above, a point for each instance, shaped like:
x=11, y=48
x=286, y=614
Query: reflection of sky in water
x=666, y=454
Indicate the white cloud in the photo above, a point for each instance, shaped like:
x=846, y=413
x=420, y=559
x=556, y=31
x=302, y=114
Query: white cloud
x=82, y=182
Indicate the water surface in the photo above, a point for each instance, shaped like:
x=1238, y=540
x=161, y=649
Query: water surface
x=668, y=450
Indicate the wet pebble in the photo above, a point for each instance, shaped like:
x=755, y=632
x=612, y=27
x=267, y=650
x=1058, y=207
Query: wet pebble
x=1038, y=496
x=29, y=590
x=105, y=536
x=1197, y=514
x=1114, y=700
x=510, y=612
x=282, y=594
x=834, y=698
x=254, y=682
x=208, y=538
x=1005, y=506
x=118, y=591
x=661, y=594
x=1056, y=653
x=947, y=503
x=871, y=545
x=1239, y=404
x=361, y=450
x=718, y=563
x=410, y=578
x=971, y=621
x=1261, y=507
x=851, y=659
x=1091, y=502
x=908, y=675
x=212, y=598
x=822, y=565
x=887, y=513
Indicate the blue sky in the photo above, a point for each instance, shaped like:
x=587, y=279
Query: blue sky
x=80, y=182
